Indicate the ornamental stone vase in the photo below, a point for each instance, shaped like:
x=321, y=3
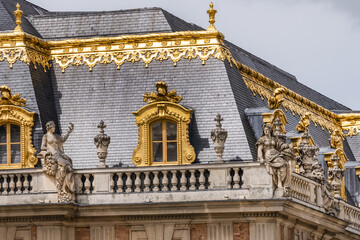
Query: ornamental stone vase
x=102, y=142
x=219, y=135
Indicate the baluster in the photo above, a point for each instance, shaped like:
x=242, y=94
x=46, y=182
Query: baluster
x=128, y=182
x=229, y=178
x=137, y=182
x=120, y=183
x=18, y=184
x=192, y=180
x=147, y=182
x=202, y=179
x=26, y=183
x=236, y=178
x=183, y=180
x=7, y=184
x=156, y=181
x=112, y=183
x=174, y=181
x=12, y=184
x=87, y=183
x=165, y=181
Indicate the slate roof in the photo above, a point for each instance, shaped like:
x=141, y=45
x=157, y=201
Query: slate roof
x=84, y=98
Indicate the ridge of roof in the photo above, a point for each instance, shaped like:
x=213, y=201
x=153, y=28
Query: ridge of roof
x=74, y=13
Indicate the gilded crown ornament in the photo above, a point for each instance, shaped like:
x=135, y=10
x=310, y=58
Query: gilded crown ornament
x=211, y=13
x=219, y=135
x=102, y=142
x=8, y=99
x=162, y=94
x=18, y=13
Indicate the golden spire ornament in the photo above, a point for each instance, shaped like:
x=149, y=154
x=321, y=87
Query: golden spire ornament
x=211, y=13
x=18, y=13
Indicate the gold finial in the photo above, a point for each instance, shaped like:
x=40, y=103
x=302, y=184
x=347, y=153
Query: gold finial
x=8, y=99
x=18, y=13
x=162, y=94
x=211, y=13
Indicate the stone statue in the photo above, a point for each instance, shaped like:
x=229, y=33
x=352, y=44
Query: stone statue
x=56, y=163
x=277, y=156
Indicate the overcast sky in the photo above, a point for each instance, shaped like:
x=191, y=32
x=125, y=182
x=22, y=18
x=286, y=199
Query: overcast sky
x=318, y=41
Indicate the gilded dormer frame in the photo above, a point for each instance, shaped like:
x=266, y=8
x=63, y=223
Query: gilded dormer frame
x=11, y=112
x=165, y=109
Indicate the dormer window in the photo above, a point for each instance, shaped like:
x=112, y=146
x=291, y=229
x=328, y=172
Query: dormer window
x=16, y=149
x=163, y=130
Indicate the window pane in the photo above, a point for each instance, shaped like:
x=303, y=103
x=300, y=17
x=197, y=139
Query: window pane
x=3, y=134
x=3, y=155
x=157, y=152
x=171, y=131
x=157, y=131
x=15, y=133
x=171, y=151
x=15, y=153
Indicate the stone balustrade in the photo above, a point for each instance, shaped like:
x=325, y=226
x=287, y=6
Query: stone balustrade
x=196, y=182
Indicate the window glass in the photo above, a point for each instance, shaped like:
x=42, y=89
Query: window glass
x=157, y=152
x=3, y=134
x=172, y=151
x=170, y=131
x=15, y=153
x=157, y=131
x=3, y=154
x=15, y=133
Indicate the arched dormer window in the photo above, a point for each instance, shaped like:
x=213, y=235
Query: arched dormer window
x=163, y=130
x=16, y=149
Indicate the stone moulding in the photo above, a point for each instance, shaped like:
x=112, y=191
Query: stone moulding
x=159, y=111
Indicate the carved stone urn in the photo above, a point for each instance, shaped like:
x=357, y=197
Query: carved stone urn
x=336, y=175
x=102, y=142
x=219, y=135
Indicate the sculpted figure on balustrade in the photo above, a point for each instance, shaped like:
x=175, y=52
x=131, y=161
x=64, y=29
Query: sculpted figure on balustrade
x=56, y=163
x=276, y=155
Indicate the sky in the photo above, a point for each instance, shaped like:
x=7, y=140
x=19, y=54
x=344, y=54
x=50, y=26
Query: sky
x=318, y=41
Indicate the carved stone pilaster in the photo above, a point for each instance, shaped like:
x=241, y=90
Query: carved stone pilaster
x=102, y=142
x=336, y=175
x=219, y=135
